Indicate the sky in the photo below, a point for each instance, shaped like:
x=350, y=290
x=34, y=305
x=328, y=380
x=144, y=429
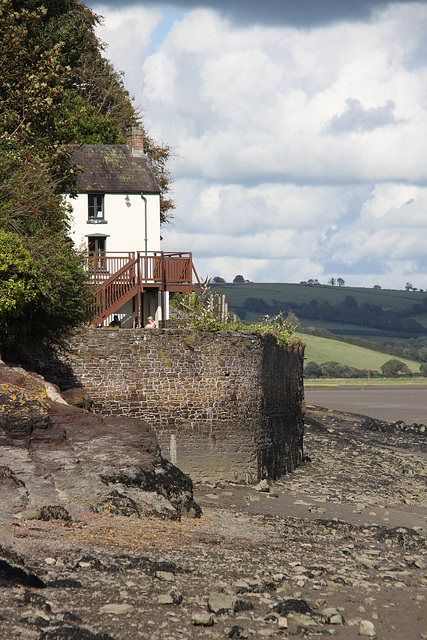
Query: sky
x=299, y=130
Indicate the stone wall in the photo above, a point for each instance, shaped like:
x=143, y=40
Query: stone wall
x=225, y=406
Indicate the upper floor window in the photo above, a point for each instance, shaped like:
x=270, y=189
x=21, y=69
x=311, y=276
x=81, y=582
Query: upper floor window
x=96, y=207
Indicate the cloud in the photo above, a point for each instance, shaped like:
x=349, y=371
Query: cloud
x=300, y=153
x=356, y=118
x=303, y=13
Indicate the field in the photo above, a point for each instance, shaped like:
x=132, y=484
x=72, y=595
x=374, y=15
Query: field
x=299, y=293
x=323, y=350
x=343, y=311
x=351, y=311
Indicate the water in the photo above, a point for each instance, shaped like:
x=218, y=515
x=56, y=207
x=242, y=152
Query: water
x=390, y=404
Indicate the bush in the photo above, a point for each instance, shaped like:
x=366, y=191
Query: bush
x=43, y=293
x=394, y=368
x=199, y=308
x=313, y=370
x=423, y=369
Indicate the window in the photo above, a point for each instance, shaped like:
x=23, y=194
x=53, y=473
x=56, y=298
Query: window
x=96, y=244
x=95, y=207
x=97, y=260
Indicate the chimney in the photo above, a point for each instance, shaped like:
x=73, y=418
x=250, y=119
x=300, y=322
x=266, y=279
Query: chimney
x=135, y=140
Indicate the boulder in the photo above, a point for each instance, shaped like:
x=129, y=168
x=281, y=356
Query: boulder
x=55, y=457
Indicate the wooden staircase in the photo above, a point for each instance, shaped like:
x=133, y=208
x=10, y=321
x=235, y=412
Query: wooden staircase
x=117, y=278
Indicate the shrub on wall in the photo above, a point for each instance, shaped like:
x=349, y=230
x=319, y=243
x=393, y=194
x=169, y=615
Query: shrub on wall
x=199, y=307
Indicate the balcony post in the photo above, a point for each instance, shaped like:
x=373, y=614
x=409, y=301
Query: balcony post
x=162, y=291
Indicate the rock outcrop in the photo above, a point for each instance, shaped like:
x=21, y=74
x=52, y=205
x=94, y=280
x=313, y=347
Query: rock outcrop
x=56, y=459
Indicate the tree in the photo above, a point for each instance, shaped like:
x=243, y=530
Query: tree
x=313, y=370
x=408, y=286
x=350, y=302
x=218, y=280
x=332, y=281
x=340, y=282
x=42, y=280
x=238, y=280
x=394, y=368
x=56, y=90
x=61, y=90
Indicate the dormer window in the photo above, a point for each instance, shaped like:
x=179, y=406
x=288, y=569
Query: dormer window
x=95, y=207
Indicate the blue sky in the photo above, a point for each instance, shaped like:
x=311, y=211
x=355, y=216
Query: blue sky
x=300, y=131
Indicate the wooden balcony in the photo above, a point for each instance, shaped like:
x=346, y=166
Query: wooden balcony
x=117, y=278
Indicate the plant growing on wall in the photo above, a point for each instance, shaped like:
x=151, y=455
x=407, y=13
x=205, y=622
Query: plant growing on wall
x=199, y=309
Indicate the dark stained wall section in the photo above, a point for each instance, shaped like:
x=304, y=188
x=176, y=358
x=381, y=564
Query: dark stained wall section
x=224, y=406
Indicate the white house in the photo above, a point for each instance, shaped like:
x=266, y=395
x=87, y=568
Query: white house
x=116, y=219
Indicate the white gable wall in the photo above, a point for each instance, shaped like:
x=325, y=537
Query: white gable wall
x=123, y=224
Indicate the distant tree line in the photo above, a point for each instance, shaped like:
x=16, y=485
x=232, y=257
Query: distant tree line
x=349, y=311
x=390, y=369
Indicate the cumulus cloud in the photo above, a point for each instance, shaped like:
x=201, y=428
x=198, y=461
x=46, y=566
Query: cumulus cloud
x=300, y=152
x=356, y=118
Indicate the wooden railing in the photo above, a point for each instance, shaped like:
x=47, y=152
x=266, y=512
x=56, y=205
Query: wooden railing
x=118, y=277
x=115, y=291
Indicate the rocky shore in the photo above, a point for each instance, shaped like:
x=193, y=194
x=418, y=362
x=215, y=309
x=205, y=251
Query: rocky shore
x=337, y=548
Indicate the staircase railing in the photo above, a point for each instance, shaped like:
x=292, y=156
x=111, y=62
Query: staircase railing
x=114, y=292
x=117, y=278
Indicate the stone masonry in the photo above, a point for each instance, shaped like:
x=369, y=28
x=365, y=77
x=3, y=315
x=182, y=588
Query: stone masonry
x=225, y=406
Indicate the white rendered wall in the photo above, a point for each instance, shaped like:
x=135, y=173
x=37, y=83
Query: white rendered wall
x=124, y=223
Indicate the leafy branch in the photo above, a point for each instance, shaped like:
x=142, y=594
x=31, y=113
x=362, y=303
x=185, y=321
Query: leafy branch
x=200, y=313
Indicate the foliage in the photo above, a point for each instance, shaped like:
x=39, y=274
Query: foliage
x=60, y=90
x=43, y=283
x=335, y=370
x=200, y=309
x=345, y=310
x=394, y=368
x=56, y=90
x=423, y=369
x=18, y=284
x=278, y=326
x=29, y=201
x=312, y=370
x=322, y=350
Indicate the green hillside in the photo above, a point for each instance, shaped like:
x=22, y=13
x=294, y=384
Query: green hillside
x=322, y=350
x=298, y=293
x=374, y=314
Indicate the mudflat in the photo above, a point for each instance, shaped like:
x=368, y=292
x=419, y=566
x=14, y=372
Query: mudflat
x=337, y=548
x=385, y=403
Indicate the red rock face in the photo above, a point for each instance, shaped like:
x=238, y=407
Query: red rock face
x=55, y=454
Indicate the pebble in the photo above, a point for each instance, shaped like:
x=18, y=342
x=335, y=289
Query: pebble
x=116, y=608
x=165, y=575
x=202, y=619
x=344, y=572
x=367, y=628
x=262, y=486
x=221, y=603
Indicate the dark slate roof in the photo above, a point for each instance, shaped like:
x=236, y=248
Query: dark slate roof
x=111, y=168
